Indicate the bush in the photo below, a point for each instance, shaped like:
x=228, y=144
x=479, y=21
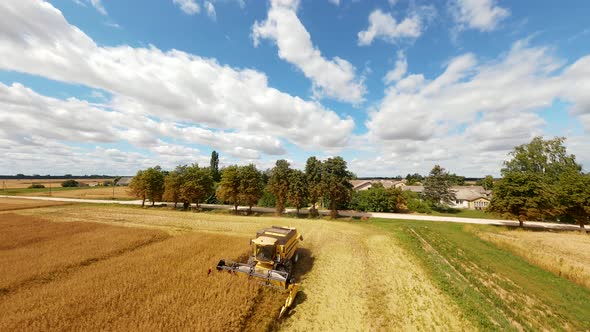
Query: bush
x=267, y=199
x=379, y=199
x=36, y=186
x=70, y=183
x=418, y=205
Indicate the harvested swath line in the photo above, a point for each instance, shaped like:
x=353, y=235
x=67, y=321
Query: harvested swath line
x=164, y=286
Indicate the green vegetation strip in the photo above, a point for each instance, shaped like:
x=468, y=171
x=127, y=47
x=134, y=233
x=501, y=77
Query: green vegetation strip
x=495, y=289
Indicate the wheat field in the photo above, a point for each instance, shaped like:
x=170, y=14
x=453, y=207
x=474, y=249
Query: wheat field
x=566, y=254
x=90, y=276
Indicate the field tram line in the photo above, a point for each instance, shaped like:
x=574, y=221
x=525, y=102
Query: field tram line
x=508, y=316
x=65, y=271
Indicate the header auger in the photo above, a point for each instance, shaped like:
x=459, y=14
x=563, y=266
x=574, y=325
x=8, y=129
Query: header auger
x=274, y=251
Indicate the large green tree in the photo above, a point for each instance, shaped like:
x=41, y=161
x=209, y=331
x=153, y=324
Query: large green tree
x=278, y=183
x=336, y=184
x=154, y=184
x=437, y=187
x=137, y=187
x=229, y=187
x=531, y=180
x=547, y=158
x=214, y=166
x=251, y=185
x=487, y=182
x=172, y=185
x=298, y=189
x=313, y=173
x=573, y=195
x=197, y=184
x=522, y=196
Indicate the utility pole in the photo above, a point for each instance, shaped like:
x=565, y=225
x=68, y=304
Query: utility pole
x=4, y=186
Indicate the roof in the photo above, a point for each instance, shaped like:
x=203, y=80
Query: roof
x=125, y=180
x=416, y=189
x=359, y=184
x=470, y=193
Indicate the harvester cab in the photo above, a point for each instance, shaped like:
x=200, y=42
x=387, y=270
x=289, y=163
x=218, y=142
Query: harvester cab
x=274, y=251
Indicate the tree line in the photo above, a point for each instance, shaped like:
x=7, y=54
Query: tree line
x=539, y=181
x=322, y=182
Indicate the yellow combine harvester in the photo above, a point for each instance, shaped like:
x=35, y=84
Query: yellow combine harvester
x=274, y=251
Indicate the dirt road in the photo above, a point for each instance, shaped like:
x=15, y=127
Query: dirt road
x=398, y=216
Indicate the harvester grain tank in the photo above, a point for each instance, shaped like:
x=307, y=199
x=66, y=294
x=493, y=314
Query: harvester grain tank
x=274, y=251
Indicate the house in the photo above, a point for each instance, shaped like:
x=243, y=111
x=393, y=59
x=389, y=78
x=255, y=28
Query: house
x=471, y=197
x=466, y=197
x=415, y=189
x=360, y=185
x=124, y=181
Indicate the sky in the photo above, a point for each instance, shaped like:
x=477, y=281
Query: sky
x=393, y=86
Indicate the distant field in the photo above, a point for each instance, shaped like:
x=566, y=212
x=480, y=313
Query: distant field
x=85, y=193
x=120, y=193
x=88, y=276
x=7, y=204
x=25, y=183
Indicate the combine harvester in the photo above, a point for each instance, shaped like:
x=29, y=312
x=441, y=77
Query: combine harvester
x=274, y=251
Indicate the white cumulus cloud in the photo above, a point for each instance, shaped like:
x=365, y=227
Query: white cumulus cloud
x=483, y=15
x=333, y=78
x=189, y=7
x=384, y=26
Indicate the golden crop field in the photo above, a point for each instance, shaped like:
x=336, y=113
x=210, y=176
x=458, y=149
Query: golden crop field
x=112, y=267
x=7, y=204
x=345, y=283
x=89, y=276
x=25, y=183
x=87, y=193
x=567, y=254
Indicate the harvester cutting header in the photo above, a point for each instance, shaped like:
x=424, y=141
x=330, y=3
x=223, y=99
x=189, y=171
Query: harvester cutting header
x=274, y=251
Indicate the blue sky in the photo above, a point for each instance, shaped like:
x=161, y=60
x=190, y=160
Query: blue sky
x=98, y=86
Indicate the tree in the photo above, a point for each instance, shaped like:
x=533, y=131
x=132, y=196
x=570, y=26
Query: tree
x=70, y=183
x=251, y=185
x=530, y=179
x=573, y=195
x=298, y=189
x=456, y=180
x=412, y=179
x=229, y=187
x=137, y=187
x=522, y=196
x=548, y=158
x=278, y=184
x=197, y=184
x=313, y=173
x=487, y=183
x=173, y=183
x=437, y=187
x=379, y=199
x=214, y=166
x=153, y=178
x=336, y=184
